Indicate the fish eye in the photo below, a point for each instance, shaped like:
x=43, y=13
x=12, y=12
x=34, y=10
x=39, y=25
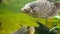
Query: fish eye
x=25, y=10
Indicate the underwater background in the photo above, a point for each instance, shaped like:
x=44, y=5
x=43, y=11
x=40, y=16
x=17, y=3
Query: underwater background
x=11, y=17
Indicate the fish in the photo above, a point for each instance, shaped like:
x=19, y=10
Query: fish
x=41, y=9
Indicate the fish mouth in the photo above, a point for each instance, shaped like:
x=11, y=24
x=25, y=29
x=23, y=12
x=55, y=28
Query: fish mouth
x=25, y=12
